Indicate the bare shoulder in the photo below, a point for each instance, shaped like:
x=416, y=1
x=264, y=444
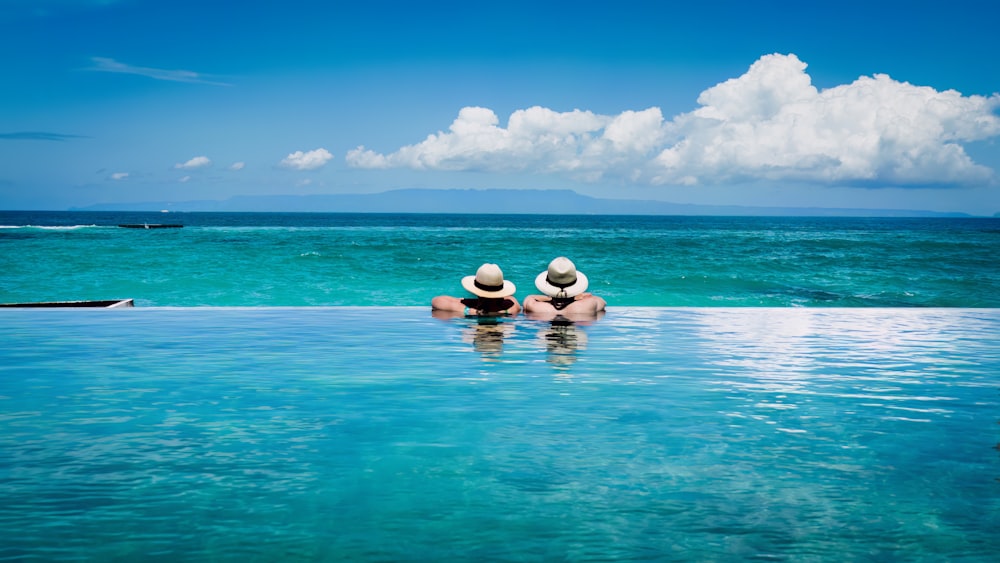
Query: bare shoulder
x=588, y=303
x=599, y=303
x=535, y=303
x=515, y=308
x=447, y=303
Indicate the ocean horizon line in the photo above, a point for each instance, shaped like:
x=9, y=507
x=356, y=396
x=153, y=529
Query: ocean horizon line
x=498, y=201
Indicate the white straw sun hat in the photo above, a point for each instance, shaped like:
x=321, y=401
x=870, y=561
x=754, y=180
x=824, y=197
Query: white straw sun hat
x=561, y=279
x=488, y=282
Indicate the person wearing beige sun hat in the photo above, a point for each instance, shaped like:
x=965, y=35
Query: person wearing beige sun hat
x=565, y=293
x=494, y=296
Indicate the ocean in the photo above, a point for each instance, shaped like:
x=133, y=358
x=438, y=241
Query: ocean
x=329, y=259
x=782, y=389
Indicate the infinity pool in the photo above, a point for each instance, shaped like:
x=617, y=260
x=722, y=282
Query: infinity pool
x=311, y=434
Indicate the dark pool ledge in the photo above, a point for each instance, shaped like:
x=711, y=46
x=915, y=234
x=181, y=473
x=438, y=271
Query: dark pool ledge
x=94, y=304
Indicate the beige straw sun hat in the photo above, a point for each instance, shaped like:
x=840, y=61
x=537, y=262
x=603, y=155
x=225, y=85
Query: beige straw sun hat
x=561, y=279
x=488, y=282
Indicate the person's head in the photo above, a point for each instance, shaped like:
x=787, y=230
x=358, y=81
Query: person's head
x=488, y=283
x=561, y=280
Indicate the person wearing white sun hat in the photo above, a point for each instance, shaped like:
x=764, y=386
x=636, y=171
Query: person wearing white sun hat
x=565, y=290
x=494, y=296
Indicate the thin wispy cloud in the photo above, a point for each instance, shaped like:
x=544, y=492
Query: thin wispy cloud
x=104, y=64
x=39, y=136
x=769, y=124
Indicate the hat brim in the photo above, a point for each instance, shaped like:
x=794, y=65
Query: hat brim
x=578, y=287
x=469, y=283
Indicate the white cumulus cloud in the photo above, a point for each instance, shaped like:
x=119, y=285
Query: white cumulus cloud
x=119, y=175
x=196, y=162
x=535, y=139
x=237, y=166
x=771, y=123
x=311, y=160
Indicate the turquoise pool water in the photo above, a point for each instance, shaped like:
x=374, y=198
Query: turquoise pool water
x=369, y=433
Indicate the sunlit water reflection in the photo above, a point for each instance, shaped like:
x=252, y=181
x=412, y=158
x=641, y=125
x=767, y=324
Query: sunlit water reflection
x=385, y=434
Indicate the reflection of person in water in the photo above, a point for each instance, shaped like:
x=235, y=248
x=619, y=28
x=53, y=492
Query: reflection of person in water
x=486, y=337
x=562, y=340
x=565, y=294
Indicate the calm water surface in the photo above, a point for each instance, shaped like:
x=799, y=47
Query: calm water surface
x=371, y=433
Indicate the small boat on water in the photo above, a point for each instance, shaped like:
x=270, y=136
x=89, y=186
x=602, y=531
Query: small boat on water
x=151, y=226
x=105, y=304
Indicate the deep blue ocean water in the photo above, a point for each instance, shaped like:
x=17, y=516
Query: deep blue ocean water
x=322, y=259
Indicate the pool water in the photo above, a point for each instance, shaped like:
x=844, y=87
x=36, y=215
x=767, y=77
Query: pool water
x=376, y=433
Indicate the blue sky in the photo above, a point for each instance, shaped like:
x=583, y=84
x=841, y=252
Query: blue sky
x=831, y=104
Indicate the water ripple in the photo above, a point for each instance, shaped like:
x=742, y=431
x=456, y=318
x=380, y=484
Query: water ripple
x=383, y=433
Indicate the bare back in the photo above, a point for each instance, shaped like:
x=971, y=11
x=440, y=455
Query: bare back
x=584, y=305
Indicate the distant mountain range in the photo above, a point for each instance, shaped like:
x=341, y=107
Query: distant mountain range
x=565, y=202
